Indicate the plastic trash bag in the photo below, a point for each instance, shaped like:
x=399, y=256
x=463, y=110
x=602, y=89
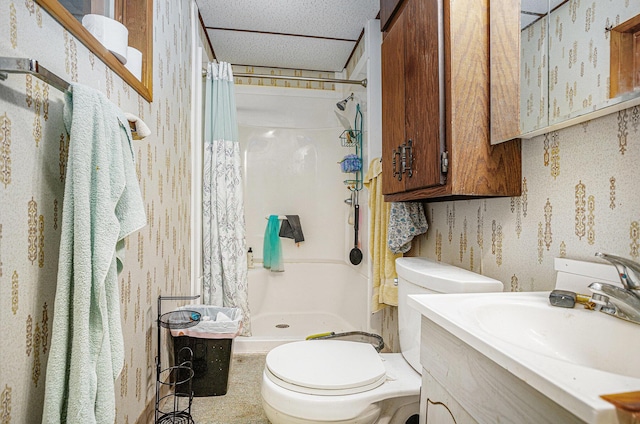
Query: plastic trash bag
x=216, y=322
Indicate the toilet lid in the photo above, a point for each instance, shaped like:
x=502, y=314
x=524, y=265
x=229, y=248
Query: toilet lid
x=326, y=367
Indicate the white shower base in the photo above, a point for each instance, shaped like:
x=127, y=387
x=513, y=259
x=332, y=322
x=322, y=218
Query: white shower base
x=306, y=299
x=275, y=329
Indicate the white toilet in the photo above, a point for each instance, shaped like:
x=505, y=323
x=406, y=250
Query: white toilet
x=342, y=382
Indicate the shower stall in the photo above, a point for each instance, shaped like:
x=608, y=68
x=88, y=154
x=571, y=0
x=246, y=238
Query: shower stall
x=291, y=153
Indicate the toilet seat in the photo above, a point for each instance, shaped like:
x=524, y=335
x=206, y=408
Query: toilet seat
x=325, y=367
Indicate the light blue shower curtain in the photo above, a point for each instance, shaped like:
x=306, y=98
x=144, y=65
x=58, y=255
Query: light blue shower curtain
x=224, y=244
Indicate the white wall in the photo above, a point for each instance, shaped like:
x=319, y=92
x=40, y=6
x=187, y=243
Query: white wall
x=290, y=147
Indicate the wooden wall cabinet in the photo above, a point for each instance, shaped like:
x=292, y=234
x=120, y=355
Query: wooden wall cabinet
x=504, y=74
x=436, y=105
x=387, y=12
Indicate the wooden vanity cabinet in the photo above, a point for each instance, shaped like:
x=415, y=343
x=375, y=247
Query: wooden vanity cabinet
x=436, y=105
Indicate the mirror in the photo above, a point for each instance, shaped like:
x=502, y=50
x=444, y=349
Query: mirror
x=579, y=60
x=534, y=75
x=583, y=50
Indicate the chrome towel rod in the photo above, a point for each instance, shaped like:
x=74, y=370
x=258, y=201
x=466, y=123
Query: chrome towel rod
x=295, y=78
x=16, y=65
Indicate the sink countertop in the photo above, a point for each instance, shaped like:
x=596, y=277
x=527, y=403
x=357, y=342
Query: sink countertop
x=574, y=386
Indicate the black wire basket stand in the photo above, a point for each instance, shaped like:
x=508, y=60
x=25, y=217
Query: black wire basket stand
x=174, y=395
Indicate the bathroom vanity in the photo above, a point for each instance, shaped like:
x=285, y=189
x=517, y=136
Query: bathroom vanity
x=489, y=392
x=512, y=357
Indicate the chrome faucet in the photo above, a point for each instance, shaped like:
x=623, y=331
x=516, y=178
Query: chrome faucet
x=628, y=270
x=621, y=302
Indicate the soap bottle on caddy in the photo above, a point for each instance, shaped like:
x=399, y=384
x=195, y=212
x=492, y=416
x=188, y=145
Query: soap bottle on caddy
x=250, y=258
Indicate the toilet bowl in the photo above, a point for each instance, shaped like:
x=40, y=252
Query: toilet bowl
x=345, y=382
x=338, y=382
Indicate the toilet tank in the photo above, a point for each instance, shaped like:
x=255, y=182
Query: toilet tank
x=421, y=276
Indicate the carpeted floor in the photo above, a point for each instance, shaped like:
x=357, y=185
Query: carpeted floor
x=242, y=404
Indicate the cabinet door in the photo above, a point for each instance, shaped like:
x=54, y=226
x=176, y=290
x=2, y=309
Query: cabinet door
x=437, y=413
x=393, y=104
x=437, y=406
x=424, y=96
x=387, y=10
x=504, y=76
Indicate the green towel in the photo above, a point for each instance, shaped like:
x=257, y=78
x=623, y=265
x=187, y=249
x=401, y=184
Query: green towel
x=102, y=205
x=272, y=256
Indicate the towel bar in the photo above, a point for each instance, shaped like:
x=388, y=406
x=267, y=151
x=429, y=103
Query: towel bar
x=16, y=65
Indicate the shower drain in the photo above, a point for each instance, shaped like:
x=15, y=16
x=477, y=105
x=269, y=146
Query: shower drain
x=282, y=325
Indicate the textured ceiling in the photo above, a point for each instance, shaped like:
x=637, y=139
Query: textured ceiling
x=315, y=35
x=299, y=34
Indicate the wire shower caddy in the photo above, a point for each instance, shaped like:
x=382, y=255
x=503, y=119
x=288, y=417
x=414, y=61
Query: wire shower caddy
x=353, y=138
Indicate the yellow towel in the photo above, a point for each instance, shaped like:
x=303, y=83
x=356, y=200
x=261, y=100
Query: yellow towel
x=383, y=261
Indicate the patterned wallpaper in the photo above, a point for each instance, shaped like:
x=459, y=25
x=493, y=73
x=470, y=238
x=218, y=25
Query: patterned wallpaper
x=33, y=155
x=579, y=196
x=269, y=82
x=357, y=54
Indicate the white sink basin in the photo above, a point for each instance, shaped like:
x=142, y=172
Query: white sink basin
x=570, y=355
x=577, y=335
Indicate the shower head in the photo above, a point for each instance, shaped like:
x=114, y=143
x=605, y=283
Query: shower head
x=342, y=104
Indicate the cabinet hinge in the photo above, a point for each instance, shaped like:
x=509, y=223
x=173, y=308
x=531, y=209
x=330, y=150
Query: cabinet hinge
x=444, y=162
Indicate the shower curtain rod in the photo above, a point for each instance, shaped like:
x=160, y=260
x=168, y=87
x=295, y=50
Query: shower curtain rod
x=17, y=65
x=296, y=78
